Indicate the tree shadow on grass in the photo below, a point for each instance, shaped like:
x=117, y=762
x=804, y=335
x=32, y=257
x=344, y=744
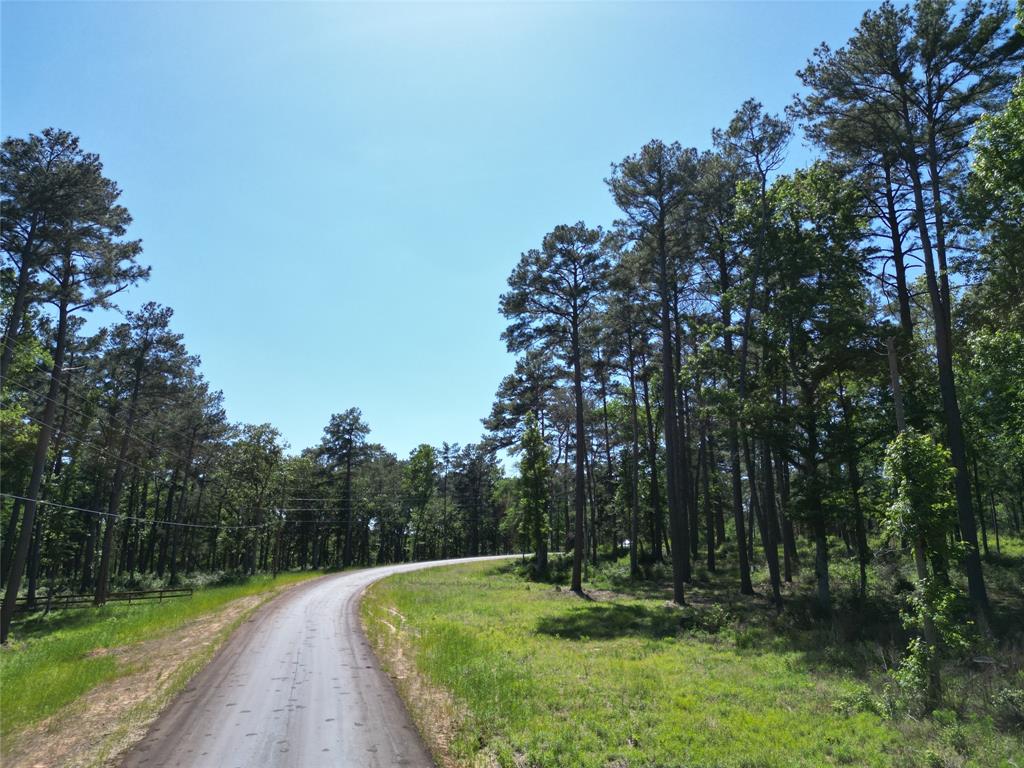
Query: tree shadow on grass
x=859, y=641
x=607, y=621
x=819, y=645
x=34, y=625
x=861, y=638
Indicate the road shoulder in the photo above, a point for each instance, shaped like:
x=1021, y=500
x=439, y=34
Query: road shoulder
x=101, y=726
x=433, y=710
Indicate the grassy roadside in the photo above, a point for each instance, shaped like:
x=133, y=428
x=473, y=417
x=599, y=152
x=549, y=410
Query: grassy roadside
x=53, y=660
x=539, y=677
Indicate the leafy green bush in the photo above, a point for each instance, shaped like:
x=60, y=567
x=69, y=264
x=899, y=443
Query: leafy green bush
x=713, y=618
x=1008, y=704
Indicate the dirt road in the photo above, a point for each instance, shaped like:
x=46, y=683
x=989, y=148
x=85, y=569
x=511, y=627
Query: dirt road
x=296, y=685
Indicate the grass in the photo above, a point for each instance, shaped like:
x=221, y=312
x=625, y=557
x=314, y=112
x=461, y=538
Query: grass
x=51, y=660
x=543, y=678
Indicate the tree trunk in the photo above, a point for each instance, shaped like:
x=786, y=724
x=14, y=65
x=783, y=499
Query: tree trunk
x=771, y=524
x=655, y=486
x=981, y=505
x=634, y=474
x=20, y=303
x=581, y=457
x=706, y=474
x=951, y=409
x=677, y=524
x=346, y=559
x=33, y=563
x=746, y=587
x=791, y=560
x=892, y=219
x=165, y=532
x=103, y=582
x=9, y=538
x=933, y=691
x=38, y=465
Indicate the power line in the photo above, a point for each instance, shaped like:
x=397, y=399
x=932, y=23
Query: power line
x=95, y=446
x=140, y=440
x=132, y=517
x=217, y=526
x=82, y=399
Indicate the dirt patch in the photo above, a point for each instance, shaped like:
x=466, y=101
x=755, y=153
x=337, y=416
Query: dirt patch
x=100, y=726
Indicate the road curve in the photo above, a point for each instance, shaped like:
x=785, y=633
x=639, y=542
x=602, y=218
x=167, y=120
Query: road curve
x=296, y=685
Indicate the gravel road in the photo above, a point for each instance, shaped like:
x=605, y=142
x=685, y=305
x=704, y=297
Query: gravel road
x=296, y=685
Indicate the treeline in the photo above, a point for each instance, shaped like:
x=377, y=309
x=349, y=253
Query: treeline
x=730, y=363
x=119, y=464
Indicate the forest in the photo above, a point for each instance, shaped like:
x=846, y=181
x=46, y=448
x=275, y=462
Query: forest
x=753, y=371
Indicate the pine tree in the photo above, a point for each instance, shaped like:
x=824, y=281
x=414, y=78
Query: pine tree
x=535, y=486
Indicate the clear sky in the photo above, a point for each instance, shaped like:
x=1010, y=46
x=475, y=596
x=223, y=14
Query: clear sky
x=332, y=195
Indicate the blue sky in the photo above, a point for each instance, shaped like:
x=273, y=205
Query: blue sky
x=332, y=195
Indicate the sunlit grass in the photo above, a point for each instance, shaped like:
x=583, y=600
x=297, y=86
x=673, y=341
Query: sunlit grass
x=544, y=678
x=51, y=660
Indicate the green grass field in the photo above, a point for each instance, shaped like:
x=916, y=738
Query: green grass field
x=543, y=678
x=51, y=661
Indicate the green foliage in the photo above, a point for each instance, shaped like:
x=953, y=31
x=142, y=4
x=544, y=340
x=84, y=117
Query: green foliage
x=421, y=476
x=920, y=479
x=1009, y=705
x=553, y=291
x=997, y=176
x=344, y=440
x=993, y=375
x=995, y=202
x=419, y=483
x=535, y=484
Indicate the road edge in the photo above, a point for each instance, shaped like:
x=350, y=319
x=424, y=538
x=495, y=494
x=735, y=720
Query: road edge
x=117, y=743
x=431, y=708
x=129, y=726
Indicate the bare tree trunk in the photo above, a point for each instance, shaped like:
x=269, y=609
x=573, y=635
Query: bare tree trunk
x=791, y=562
x=103, y=582
x=655, y=487
x=947, y=388
x=706, y=474
x=893, y=222
x=742, y=542
x=981, y=505
x=33, y=563
x=346, y=559
x=634, y=474
x=38, y=465
x=9, y=538
x=581, y=458
x=771, y=524
x=676, y=511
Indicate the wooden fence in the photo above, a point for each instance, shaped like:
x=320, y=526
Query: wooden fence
x=55, y=602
